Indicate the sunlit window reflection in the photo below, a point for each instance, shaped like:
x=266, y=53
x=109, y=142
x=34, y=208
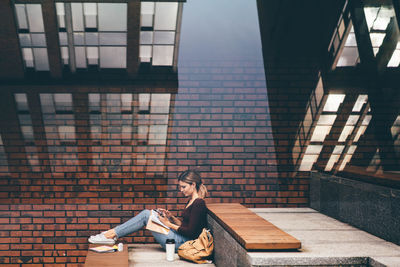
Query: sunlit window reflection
x=342, y=145
x=60, y=131
x=395, y=130
x=333, y=102
x=395, y=59
x=26, y=127
x=378, y=18
x=3, y=158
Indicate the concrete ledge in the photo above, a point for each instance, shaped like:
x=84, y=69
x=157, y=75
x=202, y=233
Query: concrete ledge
x=325, y=242
x=370, y=207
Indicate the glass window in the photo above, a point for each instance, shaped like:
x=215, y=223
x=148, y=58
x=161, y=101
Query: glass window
x=146, y=37
x=113, y=57
x=41, y=59
x=112, y=17
x=165, y=16
x=145, y=53
x=90, y=12
x=35, y=17
x=163, y=55
x=21, y=16
x=38, y=40
x=28, y=57
x=79, y=38
x=93, y=55
x=65, y=55
x=22, y=102
x=77, y=17
x=92, y=38
x=31, y=36
x=25, y=39
x=63, y=38
x=164, y=38
x=112, y=38
x=80, y=57
x=60, y=14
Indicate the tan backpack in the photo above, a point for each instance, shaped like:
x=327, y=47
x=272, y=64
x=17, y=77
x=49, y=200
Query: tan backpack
x=198, y=250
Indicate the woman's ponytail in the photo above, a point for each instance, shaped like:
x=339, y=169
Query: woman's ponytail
x=202, y=191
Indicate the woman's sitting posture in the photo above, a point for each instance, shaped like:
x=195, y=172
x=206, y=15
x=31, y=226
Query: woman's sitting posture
x=194, y=217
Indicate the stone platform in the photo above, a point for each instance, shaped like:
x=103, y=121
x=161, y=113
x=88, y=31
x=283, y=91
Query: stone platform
x=325, y=242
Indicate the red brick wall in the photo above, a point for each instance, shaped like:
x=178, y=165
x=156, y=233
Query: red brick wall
x=219, y=124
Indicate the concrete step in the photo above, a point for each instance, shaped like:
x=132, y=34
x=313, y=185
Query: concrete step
x=149, y=255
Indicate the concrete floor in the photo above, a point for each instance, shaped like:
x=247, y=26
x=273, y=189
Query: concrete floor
x=151, y=255
x=325, y=241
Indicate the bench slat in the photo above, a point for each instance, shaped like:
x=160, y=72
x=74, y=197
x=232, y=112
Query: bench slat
x=250, y=230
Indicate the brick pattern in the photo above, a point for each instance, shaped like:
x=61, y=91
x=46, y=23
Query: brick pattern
x=220, y=124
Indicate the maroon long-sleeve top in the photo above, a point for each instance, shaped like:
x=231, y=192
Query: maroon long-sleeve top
x=194, y=219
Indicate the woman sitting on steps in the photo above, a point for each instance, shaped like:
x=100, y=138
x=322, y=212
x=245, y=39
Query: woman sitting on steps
x=193, y=217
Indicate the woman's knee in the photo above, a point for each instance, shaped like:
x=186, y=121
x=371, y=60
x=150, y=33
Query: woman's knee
x=146, y=212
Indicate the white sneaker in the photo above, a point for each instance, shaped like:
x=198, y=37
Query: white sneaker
x=101, y=239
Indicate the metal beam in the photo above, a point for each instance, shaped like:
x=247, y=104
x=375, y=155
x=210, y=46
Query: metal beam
x=388, y=45
x=133, y=37
x=51, y=30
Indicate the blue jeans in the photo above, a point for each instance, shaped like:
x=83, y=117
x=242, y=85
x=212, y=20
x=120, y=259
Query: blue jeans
x=139, y=221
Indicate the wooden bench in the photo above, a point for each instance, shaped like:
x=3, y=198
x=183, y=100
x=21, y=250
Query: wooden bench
x=115, y=259
x=251, y=231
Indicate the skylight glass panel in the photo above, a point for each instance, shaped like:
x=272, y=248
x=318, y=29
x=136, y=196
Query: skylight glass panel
x=40, y=59
x=35, y=18
x=32, y=36
x=163, y=55
x=77, y=17
x=112, y=17
x=158, y=31
x=97, y=29
x=164, y=38
x=112, y=57
x=165, y=16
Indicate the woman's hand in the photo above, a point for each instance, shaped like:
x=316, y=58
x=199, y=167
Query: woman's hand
x=170, y=217
x=165, y=212
x=164, y=220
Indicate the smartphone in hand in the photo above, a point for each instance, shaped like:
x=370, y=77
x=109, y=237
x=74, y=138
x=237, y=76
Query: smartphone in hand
x=159, y=212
